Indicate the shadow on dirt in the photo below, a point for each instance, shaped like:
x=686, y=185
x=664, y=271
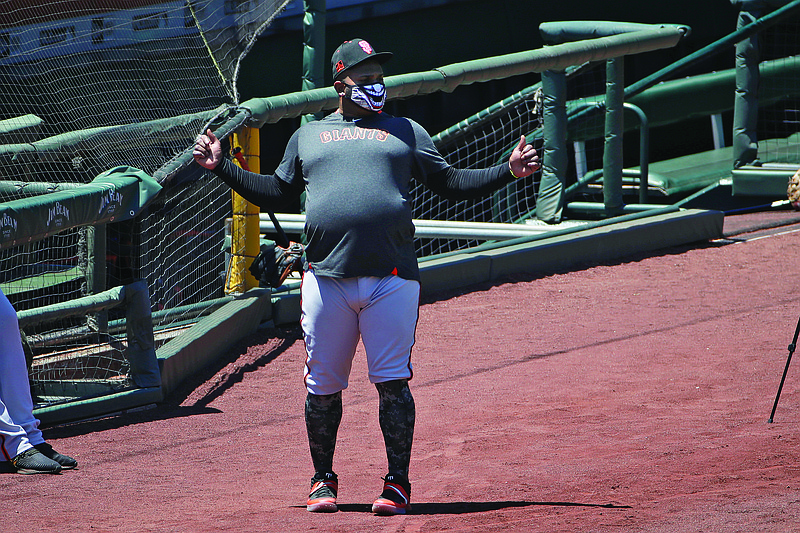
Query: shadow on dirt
x=194, y=395
x=447, y=508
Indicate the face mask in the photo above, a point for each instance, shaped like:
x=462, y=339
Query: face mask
x=370, y=97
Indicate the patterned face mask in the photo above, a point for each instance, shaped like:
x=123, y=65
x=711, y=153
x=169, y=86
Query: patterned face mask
x=370, y=97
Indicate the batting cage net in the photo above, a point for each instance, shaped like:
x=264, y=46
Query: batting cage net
x=87, y=86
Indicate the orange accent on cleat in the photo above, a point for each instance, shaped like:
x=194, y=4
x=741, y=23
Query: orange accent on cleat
x=393, y=500
x=323, y=497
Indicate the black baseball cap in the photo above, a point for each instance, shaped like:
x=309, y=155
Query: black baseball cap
x=351, y=53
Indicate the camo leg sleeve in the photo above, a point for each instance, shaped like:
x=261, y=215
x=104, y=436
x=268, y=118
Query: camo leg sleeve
x=396, y=413
x=323, y=416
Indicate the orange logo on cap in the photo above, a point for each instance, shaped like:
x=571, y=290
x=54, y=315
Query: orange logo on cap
x=339, y=66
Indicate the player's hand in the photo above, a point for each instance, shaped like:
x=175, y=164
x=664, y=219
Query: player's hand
x=207, y=150
x=524, y=160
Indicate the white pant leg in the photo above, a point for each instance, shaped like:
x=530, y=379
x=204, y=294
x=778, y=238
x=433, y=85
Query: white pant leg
x=15, y=389
x=13, y=439
x=330, y=330
x=388, y=325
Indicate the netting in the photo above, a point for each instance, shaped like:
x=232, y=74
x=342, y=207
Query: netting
x=181, y=247
x=88, y=85
x=43, y=272
x=70, y=359
x=488, y=138
x=482, y=145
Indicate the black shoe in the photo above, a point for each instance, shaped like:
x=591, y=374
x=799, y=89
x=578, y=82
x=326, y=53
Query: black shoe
x=323, y=493
x=395, y=498
x=66, y=462
x=32, y=461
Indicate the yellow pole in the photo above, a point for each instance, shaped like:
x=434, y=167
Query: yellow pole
x=245, y=229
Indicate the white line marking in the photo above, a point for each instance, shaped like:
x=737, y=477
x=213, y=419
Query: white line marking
x=766, y=236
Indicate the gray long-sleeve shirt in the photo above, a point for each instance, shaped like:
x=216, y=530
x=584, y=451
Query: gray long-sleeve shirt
x=357, y=177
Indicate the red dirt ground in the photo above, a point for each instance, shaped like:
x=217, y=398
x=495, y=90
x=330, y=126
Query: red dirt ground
x=630, y=397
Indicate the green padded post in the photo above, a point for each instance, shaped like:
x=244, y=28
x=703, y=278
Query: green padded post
x=314, y=16
x=745, y=110
x=550, y=200
x=141, y=352
x=614, y=126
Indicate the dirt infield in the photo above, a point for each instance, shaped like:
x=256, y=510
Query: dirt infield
x=630, y=397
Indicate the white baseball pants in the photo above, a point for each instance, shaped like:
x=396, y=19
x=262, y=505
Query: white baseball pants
x=336, y=313
x=19, y=430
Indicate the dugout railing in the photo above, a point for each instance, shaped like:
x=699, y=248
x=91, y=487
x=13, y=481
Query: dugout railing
x=119, y=370
x=74, y=354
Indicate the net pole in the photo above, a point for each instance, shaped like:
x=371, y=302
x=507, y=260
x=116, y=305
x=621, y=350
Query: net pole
x=245, y=225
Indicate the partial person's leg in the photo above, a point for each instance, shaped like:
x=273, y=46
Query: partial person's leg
x=330, y=330
x=397, y=414
x=323, y=415
x=16, y=452
x=15, y=388
x=13, y=440
x=15, y=391
x=388, y=326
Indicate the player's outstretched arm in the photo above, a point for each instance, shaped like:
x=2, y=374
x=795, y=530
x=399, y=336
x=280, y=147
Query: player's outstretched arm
x=524, y=160
x=474, y=183
x=264, y=190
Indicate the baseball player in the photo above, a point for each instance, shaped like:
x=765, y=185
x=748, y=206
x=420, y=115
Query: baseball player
x=22, y=446
x=362, y=279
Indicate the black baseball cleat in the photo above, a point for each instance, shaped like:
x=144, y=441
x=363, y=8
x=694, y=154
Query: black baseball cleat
x=395, y=498
x=32, y=461
x=324, y=488
x=66, y=462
